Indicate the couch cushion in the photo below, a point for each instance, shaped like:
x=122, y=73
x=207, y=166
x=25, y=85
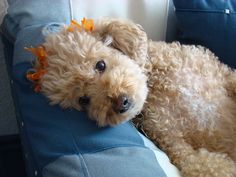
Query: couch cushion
x=209, y=23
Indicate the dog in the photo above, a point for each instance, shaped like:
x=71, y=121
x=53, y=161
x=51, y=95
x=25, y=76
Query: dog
x=181, y=96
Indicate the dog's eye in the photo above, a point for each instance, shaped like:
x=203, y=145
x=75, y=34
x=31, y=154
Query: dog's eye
x=100, y=66
x=84, y=100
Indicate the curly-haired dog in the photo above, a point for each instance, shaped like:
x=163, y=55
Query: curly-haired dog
x=186, y=96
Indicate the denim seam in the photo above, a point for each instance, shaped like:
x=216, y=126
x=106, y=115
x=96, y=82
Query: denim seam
x=78, y=152
x=24, y=132
x=84, y=166
x=112, y=147
x=71, y=10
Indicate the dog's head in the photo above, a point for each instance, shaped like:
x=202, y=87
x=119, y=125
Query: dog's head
x=86, y=71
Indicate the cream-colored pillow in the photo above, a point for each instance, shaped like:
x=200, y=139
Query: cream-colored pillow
x=151, y=14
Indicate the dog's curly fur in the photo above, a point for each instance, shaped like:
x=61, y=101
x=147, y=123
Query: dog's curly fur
x=186, y=97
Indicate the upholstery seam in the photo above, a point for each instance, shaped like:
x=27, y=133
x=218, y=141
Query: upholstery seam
x=222, y=11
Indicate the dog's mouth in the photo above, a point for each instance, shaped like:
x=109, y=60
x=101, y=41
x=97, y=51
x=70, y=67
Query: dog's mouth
x=116, y=118
x=108, y=116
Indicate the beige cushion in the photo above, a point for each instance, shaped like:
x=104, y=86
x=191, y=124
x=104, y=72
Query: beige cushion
x=151, y=14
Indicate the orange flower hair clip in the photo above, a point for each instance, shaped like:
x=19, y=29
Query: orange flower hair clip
x=86, y=24
x=35, y=74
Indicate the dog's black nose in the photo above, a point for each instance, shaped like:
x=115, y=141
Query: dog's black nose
x=122, y=104
x=84, y=100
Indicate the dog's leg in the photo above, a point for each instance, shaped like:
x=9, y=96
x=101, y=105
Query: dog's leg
x=191, y=162
x=196, y=163
x=125, y=36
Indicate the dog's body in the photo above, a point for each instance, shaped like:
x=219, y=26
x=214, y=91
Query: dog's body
x=190, y=107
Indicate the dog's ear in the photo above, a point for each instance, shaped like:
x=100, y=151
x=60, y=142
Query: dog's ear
x=125, y=36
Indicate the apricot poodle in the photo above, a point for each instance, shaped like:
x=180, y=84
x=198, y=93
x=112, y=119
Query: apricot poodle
x=183, y=97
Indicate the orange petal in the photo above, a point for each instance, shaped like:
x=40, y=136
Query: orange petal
x=37, y=51
x=70, y=28
x=33, y=77
x=32, y=50
x=41, y=51
x=74, y=25
x=88, y=24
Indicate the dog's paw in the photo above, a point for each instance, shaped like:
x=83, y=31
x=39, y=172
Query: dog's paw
x=208, y=164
